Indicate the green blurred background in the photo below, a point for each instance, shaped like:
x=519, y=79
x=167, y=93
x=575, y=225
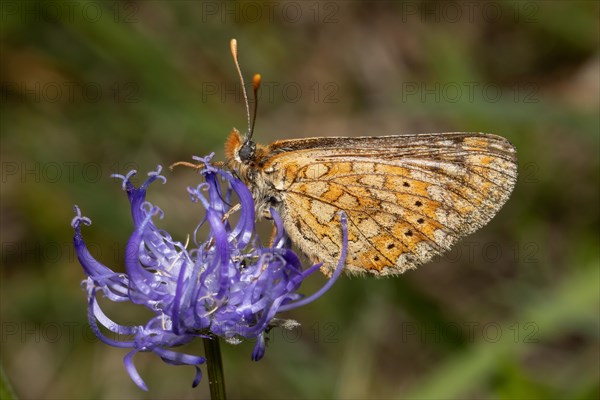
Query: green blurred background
x=92, y=88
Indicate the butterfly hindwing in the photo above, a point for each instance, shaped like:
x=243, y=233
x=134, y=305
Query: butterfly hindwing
x=407, y=198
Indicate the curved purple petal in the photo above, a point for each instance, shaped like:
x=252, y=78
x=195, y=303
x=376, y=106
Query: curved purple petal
x=132, y=371
x=259, y=348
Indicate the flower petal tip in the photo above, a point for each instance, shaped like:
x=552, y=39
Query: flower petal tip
x=156, y=174
x=124, y=178
x=79, y=219
x=132, y=371
x=259, y=348
x=198, y=377
x=206, y=160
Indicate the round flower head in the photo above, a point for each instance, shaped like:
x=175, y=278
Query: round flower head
x=227, y=285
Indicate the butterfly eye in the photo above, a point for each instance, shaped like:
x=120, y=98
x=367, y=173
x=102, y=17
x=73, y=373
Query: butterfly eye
x=247, y=151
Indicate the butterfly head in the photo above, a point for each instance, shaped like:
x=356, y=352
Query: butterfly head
x=239, y=149
x=248, y=151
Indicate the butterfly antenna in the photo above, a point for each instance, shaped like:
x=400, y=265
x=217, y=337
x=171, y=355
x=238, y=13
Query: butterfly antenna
x=255, y=86
x=234, y=53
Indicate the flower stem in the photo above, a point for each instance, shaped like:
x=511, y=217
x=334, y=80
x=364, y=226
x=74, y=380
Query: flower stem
x=214, y=365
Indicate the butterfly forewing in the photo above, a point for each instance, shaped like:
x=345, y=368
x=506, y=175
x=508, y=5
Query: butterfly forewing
x=407, y=198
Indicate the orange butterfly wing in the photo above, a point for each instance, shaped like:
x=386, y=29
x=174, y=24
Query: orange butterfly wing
x=407, y=198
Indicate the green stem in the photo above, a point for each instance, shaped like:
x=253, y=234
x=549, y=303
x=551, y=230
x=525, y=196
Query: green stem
x=214, y=365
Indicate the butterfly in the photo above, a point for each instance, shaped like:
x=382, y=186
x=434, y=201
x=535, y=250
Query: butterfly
x=407, y=198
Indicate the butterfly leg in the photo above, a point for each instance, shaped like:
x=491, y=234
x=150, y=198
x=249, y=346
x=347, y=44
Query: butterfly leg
x=273, y=235
x=232, y=210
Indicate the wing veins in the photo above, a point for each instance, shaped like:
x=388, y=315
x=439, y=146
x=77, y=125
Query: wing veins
x=406, y=208
x=391, y=264
x=374, y=220
x=440, y=171
x=391, y=190
x=426, y=153
x=392, y=234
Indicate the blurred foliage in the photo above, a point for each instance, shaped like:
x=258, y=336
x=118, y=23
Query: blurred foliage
x=92, y=88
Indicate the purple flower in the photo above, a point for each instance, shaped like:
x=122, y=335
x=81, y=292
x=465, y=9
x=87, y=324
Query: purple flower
x=227, y=285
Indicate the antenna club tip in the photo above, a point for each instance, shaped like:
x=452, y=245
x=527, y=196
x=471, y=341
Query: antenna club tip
x=233, y=46
x=256, y=79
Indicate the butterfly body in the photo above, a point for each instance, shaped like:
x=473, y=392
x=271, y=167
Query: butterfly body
x=407, y=197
